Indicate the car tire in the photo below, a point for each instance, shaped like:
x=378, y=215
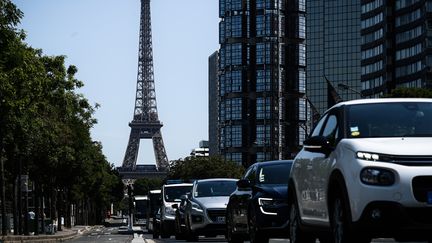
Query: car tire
x=296, y=233
x=255, y=235
x=230, y=236
x=339, y=222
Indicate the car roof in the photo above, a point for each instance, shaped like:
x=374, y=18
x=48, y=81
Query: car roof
x=216, y=179
x=180, y=184
x=263, y=163
x=381, y=100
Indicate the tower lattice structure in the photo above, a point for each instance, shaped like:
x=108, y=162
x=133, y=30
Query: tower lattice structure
x=145, y=123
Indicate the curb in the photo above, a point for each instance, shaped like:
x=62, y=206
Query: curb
x=40, y=238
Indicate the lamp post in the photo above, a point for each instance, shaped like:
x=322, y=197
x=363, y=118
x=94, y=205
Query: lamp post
x=346, y=87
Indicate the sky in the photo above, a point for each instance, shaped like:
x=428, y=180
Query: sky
x=100, y=37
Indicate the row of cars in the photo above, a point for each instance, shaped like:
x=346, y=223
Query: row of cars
x=254, y=207
x=364, y=172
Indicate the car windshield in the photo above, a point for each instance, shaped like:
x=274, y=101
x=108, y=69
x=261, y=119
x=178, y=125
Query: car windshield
x=402, y=119
x=173, y=194
x=274, y=173
x=215, y=188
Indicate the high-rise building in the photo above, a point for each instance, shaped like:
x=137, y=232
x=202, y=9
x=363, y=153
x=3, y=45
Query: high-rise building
x=396, y=45
x=262, y=60
x=333, y=50
x=213, y=104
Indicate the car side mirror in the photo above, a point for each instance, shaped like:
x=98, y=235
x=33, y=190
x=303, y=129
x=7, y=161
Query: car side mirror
x=188, y=195
x=243, y=184
x=175, y=206
x=318, y=144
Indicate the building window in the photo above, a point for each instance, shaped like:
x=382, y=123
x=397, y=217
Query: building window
x=371, y=68
x=374, y=51
x=404, y=3
x=231, y=109
x=264, y=25
x=263, y=135
x=302, y=81
x=302, y=26
x=263, y=51
x=302, y=109
x=372, y=21
x=230, y=82
x=372, y=83
x=235, y=157
x=409, y=52
x=408, y=18
x=263, y=80
x=263, y=156
x=410, y=34
x=263, y=108
x=371, y=6
x=408, y=69
x=232, y=136
x=411, y=84
x=376, y=35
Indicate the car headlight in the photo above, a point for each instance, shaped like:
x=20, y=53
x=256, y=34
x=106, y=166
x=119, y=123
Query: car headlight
x=197, y=207
x=377, y=176
x=368, y=156
x=267, y=204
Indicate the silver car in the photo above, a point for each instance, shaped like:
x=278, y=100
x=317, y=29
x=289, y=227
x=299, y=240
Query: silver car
x=206, y=207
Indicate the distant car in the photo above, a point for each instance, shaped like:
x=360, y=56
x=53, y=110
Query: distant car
x=365, y=172
x=258, y=208
x=206, y=206
x=180, y=222
x=171, y=194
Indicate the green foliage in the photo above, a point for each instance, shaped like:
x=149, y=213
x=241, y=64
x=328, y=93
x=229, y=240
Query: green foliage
x=45, y=123
x=410, y=93
x=204, y=167
x=143, y=185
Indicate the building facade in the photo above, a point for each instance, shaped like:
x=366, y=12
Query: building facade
x=261, y=79
x=333, y=50
x=213, y=104
x=396, y=41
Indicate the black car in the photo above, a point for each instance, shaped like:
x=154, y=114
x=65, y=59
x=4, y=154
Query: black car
x=258, y=209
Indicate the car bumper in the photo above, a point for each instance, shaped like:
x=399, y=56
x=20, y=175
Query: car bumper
x=211, y=222
x=390, y=219
x=274, y=225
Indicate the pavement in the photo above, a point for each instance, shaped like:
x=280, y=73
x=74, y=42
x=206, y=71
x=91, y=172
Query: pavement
x=59, y=236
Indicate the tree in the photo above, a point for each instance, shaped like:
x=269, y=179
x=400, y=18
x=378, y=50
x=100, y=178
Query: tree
x=410, y=93
x=204, y=167
x=142, y=186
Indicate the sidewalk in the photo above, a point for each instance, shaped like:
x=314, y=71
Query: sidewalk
x=59, y=236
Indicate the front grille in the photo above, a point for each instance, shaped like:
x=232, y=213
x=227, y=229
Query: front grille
x=408, y=160
x=422, y=185
x=215, y=213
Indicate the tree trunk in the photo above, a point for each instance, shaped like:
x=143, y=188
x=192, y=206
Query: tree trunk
x=42, y=198
x=59, y=210
x=2, y=188
x=20, y=223
x=14, y=206
x=37, y=207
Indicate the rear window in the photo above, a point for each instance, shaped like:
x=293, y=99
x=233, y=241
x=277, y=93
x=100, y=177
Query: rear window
x=215, y=188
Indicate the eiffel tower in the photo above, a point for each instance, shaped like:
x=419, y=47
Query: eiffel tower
x=145, y=123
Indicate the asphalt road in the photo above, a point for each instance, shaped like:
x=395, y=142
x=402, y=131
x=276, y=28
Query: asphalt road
x=110, y=234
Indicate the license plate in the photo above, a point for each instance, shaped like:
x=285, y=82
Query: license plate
x=220, y=219
x=429, y=197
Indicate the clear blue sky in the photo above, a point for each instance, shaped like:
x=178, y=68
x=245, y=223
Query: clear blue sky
x=100, y=37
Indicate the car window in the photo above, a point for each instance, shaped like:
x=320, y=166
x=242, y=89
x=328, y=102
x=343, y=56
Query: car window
x=318, y=127
x=215, y=188
x=330, y=130
x=252, y=175
x=274, y=173
x=398, y=119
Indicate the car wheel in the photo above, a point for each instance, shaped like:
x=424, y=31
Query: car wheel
x=296, y=234
x=230, y=235
x=340, y=224
x=254, y=233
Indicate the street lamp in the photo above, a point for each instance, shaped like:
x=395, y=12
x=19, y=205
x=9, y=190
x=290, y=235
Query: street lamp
x=346, y=87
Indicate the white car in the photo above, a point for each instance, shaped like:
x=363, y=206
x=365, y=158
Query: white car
x=206, y=207
x=365, y=172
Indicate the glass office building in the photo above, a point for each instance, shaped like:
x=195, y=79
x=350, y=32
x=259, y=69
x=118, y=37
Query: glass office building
x=213, y=103
x=261, y=79
x=396, y=41
x=333, y=50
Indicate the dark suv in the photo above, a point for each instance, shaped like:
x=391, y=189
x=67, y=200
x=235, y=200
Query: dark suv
x=258, y=209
